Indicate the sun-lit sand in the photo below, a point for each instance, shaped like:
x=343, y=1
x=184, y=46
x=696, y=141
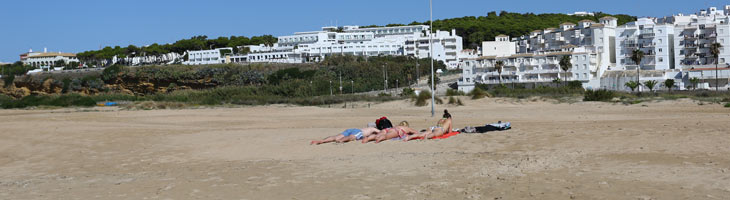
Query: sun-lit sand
x=585, y=150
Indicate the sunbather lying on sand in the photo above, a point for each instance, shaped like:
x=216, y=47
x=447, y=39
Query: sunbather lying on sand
x=442, y=126
x=348, y=135
x=402, y=131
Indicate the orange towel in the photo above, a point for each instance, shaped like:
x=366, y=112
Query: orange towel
x=444, y=136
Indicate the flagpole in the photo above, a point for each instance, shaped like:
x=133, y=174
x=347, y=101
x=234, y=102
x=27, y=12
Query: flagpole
x=430, y=42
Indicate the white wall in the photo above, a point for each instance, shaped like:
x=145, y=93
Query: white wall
x=498, y=48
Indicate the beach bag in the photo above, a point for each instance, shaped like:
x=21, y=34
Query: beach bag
x=383, y=123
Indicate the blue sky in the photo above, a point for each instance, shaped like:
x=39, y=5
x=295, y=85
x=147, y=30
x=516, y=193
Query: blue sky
x=80, y=25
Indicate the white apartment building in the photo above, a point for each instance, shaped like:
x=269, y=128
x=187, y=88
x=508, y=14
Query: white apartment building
x=501, y=46
x=206, y=57
x=655, y=40
x=695, y=35
x=352, y=40
x=535, y=58
x=46, y=59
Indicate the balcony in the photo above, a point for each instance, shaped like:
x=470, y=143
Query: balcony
x=648, y=45
x=691, y=37
x=542, y=71
x=646, y=36
x=691, y=45
x=631, y=45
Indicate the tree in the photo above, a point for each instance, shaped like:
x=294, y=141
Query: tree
x=498, y=66
x=650, y=84
x=636, y=56
x=565, y=65
x=633, y=85
x=715, y=51
x=694, y=82
x=59, y=63
x=669, y=83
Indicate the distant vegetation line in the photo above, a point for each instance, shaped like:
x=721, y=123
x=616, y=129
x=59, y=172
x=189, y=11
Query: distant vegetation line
x=473, y=29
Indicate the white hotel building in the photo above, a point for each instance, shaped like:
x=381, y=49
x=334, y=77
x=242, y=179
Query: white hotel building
x=535, y=58
x=352, y=40
x=46, y=59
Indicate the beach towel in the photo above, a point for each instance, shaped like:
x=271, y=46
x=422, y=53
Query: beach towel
x=444, y=136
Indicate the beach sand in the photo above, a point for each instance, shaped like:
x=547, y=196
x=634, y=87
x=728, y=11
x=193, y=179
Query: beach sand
x=585, y=150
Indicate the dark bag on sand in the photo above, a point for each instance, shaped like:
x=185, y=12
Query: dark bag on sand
x=383, y=123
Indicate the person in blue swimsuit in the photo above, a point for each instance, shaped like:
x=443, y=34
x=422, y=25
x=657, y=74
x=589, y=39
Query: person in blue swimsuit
x=348, y=135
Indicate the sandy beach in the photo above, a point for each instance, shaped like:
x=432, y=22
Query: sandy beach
x=585, y=150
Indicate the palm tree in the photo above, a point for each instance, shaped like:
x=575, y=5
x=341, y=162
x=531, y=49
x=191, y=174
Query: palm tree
x=565, y=65
x=694, y=82
x=636, y=56
x=650, y=84
x=633, y=85
x=715, y=51
x=498, y=66
x=669, y=83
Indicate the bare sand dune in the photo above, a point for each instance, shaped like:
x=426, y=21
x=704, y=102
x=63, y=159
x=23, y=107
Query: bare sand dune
x=663, y=150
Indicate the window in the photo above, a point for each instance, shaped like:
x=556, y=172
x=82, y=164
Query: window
x=660, y=41
x=661, y=59
x=660, y=49
x=722, y=60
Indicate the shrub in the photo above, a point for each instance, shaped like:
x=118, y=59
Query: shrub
x=62, y=101
x=8, y=79
x=66, y=85
x=599, y=95
x=111, y=72
x=408, y=92
x=575, y=85
x=72, y=100
x=423, y=98
x=478, y=93
x=455, y=101
x=727, y=105
x=4, y=99
x=452, y=92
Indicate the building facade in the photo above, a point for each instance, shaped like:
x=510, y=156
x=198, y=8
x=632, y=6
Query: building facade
x=697, y=32
x=535, y=58
x=656, y=41
x=46, y=59
x=206, y=57
x=315, y=46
